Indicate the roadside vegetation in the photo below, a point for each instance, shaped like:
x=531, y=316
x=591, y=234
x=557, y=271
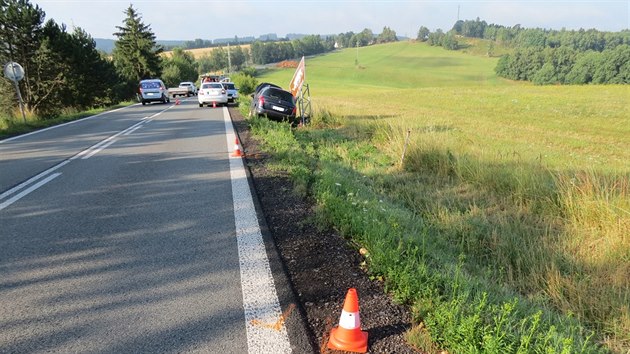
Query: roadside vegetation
x=505, y=227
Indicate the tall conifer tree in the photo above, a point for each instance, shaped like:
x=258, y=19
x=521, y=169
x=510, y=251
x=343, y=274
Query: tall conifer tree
x=20, y=40
x=136, y=54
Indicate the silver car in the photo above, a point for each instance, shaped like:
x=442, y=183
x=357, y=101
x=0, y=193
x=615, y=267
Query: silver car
x=152, y=90
x=232, y=91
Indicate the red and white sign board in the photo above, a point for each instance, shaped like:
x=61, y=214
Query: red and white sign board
x=298, y=79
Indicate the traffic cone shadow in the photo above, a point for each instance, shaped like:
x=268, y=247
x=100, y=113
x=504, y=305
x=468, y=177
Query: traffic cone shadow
x=348, y=335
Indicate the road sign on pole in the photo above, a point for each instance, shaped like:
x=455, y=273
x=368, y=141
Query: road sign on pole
x=14, y=72
x=298, y=79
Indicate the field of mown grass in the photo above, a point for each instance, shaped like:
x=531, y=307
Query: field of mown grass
x=200, y=52
x=506, y=227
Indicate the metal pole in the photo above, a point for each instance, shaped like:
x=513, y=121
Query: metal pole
x=229, y=60
x=17, y=88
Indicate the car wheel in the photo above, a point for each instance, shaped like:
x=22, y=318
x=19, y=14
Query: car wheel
x=201, y=105
x=143, y=103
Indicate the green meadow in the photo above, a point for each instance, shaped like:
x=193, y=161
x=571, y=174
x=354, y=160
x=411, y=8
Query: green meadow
x=499, y=211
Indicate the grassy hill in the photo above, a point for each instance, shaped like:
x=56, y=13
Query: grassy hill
x=416, y=84
x=505, y=226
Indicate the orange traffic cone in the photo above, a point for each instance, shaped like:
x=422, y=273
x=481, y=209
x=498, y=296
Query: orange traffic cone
x=237, y=150
x=214, y=104
x=348, y=335
x=177, y=101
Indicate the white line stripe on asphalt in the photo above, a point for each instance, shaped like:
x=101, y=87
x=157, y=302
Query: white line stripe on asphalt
x=265, y=328
x=129, y=131
x=28, y=190
x=85, y=154
x=100, y=148
x=31, y=180
x=64, y=124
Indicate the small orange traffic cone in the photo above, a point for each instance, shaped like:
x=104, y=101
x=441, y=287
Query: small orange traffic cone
x=237, y=150
x=177, y=101
x=348, y=335
x=214, y=104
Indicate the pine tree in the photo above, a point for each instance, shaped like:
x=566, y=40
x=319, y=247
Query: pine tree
x=20, y=40
x=136, y=54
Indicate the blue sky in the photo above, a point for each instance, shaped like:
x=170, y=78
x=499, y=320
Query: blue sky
x=188, y=19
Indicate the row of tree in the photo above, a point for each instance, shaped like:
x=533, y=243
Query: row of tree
x=438, y=38
x=565, y=65
x=364, y=38
x=271, y=52
x=519, y=37
x=63, y=69
x=547, y=56
x=556, y=57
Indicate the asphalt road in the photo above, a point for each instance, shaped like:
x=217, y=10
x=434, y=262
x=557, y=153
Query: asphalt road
x=120, y=233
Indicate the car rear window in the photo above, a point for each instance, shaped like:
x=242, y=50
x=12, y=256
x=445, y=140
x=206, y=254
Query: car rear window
x=208, y=86
x=150, y=85
x=281, y=94
x=229, y=86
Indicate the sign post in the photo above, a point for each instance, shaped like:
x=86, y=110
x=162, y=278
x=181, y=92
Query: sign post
x=296, y=85
x=14, y=72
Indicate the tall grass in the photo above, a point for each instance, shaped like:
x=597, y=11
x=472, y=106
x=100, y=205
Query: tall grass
x=560, y=235
x=506, y=226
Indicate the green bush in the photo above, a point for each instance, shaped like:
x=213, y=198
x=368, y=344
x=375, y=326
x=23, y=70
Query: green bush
x=245, y=83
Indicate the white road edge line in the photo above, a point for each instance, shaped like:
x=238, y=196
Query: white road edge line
x=29, y=190
x=260, y=299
